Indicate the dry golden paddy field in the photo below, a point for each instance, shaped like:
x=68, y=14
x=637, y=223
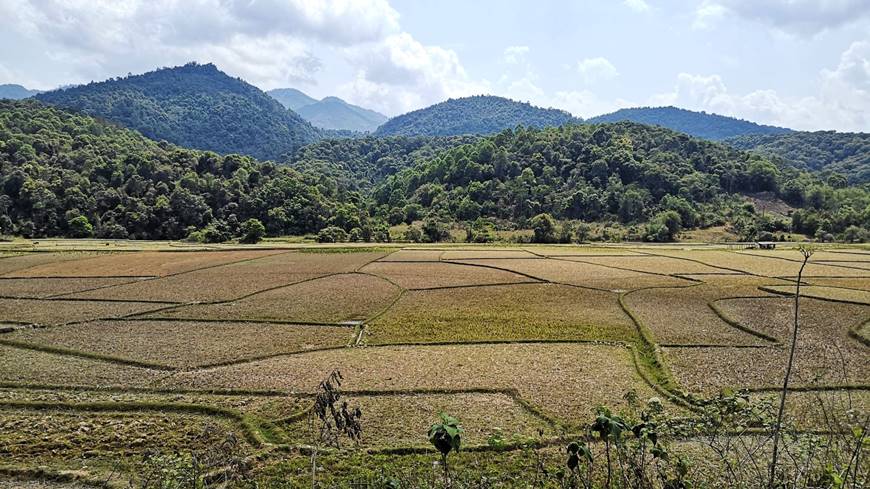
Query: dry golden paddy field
x=107, y=353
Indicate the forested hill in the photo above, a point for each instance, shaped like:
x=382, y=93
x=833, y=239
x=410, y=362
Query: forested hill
x=699, y=124
x=195, y=106
x=624, y=172
x=66, y=174
x=825, y=152
x=482, y=114
x=361, y=163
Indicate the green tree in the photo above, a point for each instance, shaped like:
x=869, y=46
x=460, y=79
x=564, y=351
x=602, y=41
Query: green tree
x=80, y=227
x=544, y=227
x=252, y=231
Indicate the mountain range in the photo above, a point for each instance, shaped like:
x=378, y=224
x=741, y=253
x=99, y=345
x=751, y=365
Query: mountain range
x=329, y=112
x=198, y=106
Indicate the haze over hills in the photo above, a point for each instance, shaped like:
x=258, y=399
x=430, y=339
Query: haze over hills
x=479, y=114
x=196, y=106
x=825, y=152
x=329, y=112
x=335, y=113
x=16, y=92
x=291, y=98
x=714, y=127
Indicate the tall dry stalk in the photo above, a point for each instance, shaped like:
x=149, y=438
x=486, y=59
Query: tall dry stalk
x=807, y=253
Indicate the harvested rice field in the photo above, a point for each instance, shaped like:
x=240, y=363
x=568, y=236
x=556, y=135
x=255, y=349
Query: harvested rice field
x=60, y=311
x=825, y=292
x=42, y=288
x=567, y=271
x=185, y=344
x=826, y=354
x=689, y=318
x=144, y=264
x=47, y=434
x=547, y=375
x=499, y=313
x=106, y=355
x=239, y=279
x=332, y=299
x=783, y=264
x=23, y=366
x=423, y=276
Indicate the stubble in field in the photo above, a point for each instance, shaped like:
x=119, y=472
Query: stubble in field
x=504, y=312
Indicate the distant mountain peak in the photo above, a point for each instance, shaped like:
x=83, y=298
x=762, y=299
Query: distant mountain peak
x=330, y=112
x=291, y=98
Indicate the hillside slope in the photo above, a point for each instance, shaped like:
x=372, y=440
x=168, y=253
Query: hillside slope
x=481, y=114
x=335, y=113
x=361, y=163
x=291, y=98
x=699, y=124
x=195, y=106
x=57, y=167
x=825, y=152
x=624, y=172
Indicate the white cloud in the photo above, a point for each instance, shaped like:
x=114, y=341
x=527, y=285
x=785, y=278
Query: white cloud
x=399, y=74
x=268, y=42
x=584, y=103
x=708, y=13
x=515, y=54
x=801, y=17
x=637, y=5
x=596, y=69
x=842, y=101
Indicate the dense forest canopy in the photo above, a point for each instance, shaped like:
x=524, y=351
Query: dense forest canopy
x=482, y=114
x=65, y=174
x=625, y=172
x=825, y=152
x=361, y=163
x=699, y=124
x=68, y=174
x=195, y=106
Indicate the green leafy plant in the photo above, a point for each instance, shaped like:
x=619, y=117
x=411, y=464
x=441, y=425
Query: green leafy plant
x=446, y=437
x=578, y=455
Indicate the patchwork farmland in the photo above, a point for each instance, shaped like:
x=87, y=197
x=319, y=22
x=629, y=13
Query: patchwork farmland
x=106, y=357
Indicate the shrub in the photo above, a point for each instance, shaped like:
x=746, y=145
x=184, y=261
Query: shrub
x=80, y=227
x=252, y=231
x=332, y=234
x=544, y=227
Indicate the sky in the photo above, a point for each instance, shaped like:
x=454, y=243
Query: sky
x=803, y=64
